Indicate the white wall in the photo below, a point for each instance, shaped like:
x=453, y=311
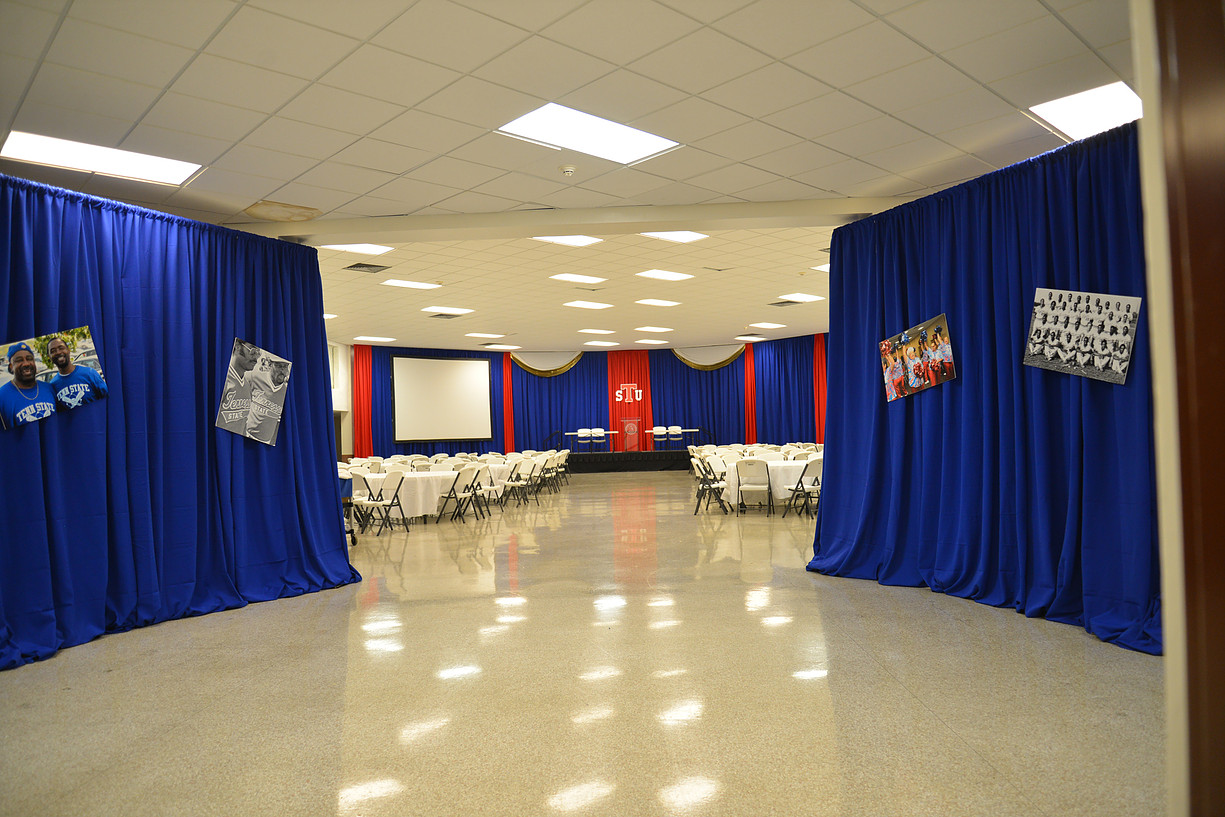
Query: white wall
x=342, y=391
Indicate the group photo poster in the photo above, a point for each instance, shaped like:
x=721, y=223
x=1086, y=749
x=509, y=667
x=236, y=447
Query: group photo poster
x=60, y=371
x=917, y=359
x=1089, y=334
x=253, y=396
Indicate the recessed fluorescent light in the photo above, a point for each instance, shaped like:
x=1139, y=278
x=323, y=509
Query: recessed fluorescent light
x=501, y=347
x=801, y=297
x=396, y=282
x=373, y=339
x=821, y=268
x=577, y=279
x=327, y=316
x=482, y=335
x=363, y=249
x=1093, y=111
x=749, y=338
x=601, y=343
x=447, y=310
x=558, y=126
x=679, y=236
x=651, y=329
x=45, y=150
x=651, y=341
x=663, y=275
x=568, y=240
x=657, y=302
x=597, y=331
x=768, y=325
x=587, y=305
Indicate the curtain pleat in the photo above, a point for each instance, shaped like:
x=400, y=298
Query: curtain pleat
x=750, y=394
x=363, y=443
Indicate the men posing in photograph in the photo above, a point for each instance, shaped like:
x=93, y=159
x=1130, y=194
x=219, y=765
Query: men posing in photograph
x=74, y=385
x=236, y=393
x=267, y=399
x=25, y=398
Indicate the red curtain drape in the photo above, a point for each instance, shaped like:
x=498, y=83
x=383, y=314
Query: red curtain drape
x=629, y=400
x=363, y=444
x=819, y=386
x=508, y=405
x=750, y=396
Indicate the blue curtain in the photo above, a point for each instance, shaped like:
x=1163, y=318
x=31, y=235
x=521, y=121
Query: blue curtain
x=382, y=409
x=694, y=398
x=1010, y=485
x=135, y=509
x=785, y=399
x=546, y=407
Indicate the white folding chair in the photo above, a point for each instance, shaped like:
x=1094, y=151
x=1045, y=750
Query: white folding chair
x=710, y=486
x=598, y=437
x=376, y=503
x=752, y=476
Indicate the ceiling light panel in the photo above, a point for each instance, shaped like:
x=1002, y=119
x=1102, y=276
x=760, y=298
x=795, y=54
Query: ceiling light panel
x=749, y=338
x=363, y=249
x=657, y=302
x=587, y=305
x=578, y=279
x=569, y=240
x=801, y=297
x=447, y=310
x=1090, y=112
x=651, y=329
x=597, y=331
x=601, y=343
x=561, y=127
x=651, y=341
x=45, y=150
x=663, y=275
x=396, y=282
x=678, y=236
x=768, y=325
x=373, y=339
x=482, y=335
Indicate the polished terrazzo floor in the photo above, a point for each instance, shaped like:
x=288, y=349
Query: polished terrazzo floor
x=605, y=652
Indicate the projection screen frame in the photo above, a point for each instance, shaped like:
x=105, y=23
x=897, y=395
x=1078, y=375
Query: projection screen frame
x=489, y=391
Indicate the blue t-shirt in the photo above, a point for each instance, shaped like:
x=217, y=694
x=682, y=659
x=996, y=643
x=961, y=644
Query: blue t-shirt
x=21, y=406
x=82, y=385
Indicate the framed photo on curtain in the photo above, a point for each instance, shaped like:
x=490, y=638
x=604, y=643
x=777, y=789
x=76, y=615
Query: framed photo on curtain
x=1090, y=334
x=917, y=359
x=49, y=373
x=253, y=396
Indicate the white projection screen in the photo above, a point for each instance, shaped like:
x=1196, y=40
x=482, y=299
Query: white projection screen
x=441, y=399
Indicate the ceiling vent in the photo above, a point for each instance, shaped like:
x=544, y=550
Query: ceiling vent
x=367, y=267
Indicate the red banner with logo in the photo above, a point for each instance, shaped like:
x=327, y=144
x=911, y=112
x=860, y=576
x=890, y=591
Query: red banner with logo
x=629, y=400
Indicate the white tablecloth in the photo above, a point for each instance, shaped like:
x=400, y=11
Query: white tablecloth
x=784, y=475
x=420, y=491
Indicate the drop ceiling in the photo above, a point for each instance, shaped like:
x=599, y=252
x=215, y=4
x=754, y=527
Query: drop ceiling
x=794, y=117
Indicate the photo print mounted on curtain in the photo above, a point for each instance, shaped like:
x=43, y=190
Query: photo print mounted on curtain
x=56, y=372
x=917, y=359
x=1084, y=333
x=254, y=393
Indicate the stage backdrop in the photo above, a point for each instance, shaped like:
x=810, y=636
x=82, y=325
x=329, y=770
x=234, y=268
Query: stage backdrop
x=135, y=509
x=1009, y=485
x=782, y=401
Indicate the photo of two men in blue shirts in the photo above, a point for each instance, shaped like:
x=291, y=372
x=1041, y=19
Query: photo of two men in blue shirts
x=32, y=395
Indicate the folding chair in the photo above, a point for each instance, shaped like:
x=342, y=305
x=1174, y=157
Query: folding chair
x=753, y=476
x=709, y=486
x=373, y=503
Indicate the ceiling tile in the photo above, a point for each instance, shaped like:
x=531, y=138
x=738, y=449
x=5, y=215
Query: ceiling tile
x=116, y=53
x=732, y=179
x=427, y=132
x=449, y=35
x=1101, y=22
x=357, y=20
x=171, y=144
x=178, y=112
x=747, y=141
x=239, y=185
x=840, y=174
x=1002, y=130
x=823, y=115
x=55, y=176
x=700, y=61
x=70, y=88
x=26, y=30
x=15, y=73
x=767, y=90
x=622, y=96
x=299, y=138
x=625, y=182
x=519, y=187
x=497, y=150
x=473, y=202
x=858, y=55
x=621, y=31
x=270, y=41
x=876, y=134
x=388, y=75
x=71, y=123
x=1028, y=46
x=883, y=186
x=676, y=193
x=1118, y=57
x=235, y=83
x=906, y=87
x=791, y=160
x=355, y=180
x=707, y=10
x=577, y=197
x=520, y=68
x=262, y=162
x=886, y=6
x=480, y=103
x=456, y=172
x=785, y=27
x=921, y=152
x=532, y=15
x=1055, y=80
x=415, y=194
x=379, y=155
x=340, y=110
x=683, y=163
x=373, y=206
x=962, y=108
x=956, y=169
x=190, y=25
x=308, y=195
x=944, y=24
x=690, y=120
x=1002, y=155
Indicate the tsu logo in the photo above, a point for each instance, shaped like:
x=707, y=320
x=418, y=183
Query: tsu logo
x=628, y=393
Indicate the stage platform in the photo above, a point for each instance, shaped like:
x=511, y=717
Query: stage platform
x=600, y=461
